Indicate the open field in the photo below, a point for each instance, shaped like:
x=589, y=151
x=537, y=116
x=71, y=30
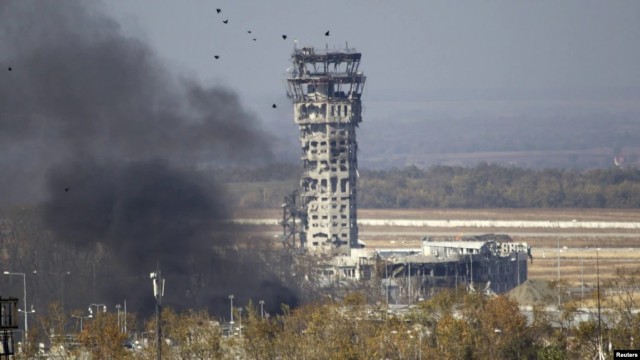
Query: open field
x=569, y=230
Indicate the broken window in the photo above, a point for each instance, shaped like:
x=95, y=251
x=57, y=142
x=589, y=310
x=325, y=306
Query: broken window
x=334, y=184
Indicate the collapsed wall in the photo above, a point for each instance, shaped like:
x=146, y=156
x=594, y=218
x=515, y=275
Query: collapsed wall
x=326, y=88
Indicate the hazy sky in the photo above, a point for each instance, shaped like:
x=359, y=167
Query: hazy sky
x=418, y=50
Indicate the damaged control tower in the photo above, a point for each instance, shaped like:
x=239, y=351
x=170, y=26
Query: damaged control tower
x=326, y=87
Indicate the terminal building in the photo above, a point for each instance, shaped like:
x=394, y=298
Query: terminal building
x=489, y=263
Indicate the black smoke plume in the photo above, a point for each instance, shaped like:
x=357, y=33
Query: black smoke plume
x=94, y=127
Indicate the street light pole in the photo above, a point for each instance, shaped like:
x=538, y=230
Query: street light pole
x=518, y=257
x=118, y=306
x=81, y=318
x=104, y=308
x=240, y=315
x=26, y=313
x=409, y=292
x=231, y=322
x=582, y=278
x=558, y=238
x=261, y=308
x=158, y=293
x=62, y=275
x=125, y=315
x=386, y=277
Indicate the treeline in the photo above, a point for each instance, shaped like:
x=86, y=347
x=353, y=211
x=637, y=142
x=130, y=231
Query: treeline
x=482, y=186
x=453, y=324
x=494, y=186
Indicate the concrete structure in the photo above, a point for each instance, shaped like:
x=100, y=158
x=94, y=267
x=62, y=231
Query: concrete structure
x=490, y=263
x=326, y=86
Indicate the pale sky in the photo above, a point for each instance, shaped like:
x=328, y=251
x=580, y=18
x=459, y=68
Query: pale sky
x=424, y=60
x=422, y=50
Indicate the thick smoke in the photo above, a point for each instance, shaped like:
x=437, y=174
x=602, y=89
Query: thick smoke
x=94, y=126
x=145, y=211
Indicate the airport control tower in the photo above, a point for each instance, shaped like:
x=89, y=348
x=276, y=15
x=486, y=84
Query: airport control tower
x=326, y=87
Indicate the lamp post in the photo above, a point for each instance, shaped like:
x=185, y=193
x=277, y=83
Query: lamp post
x=518, y=266
x=240, y=322
x=600, y=354
x=26, y=313
x=261, y=302
x=409, y=289
x=81, y=318
x=231, y=322
x=558, y=239
x=386, y=277
x=125, y=315
x=104, y=308
x=517, y=260
x=582, y=278
x=62, y=276
x=158, y=293
x=118, y=306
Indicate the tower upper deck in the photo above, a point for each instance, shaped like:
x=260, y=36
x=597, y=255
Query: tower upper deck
x=329, y=73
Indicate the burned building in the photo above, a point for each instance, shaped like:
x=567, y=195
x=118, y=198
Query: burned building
x=490, y=263
x=326, y=87
x=484, y=263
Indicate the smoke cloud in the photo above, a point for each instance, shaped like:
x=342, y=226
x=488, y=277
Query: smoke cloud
x=96, y=129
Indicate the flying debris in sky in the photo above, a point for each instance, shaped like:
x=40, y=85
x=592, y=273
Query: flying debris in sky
x=284, y=37
x=218, y=11
x=135, y=209
x=274, y=106
x=327, y=33
x=225, y=21
x=249, y=31
x=254, y=39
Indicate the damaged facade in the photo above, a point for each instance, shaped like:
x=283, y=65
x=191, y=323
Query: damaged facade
x=489, y=263
x=484, y=263
x=326, y=87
